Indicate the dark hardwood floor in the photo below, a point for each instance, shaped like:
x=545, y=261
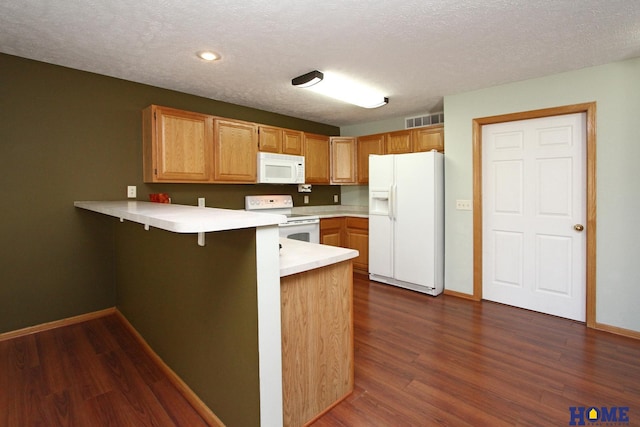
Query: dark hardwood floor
x=424, y=361
x=93, y=373
x=419, y=361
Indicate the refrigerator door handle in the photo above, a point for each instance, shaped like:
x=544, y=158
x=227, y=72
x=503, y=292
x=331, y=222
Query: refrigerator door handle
x=392, y=201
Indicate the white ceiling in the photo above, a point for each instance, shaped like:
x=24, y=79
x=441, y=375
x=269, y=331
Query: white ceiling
x=415, y=51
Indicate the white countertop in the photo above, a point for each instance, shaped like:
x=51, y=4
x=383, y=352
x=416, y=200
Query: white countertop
x=331, y=211
x=297, y=256
x=181, y=218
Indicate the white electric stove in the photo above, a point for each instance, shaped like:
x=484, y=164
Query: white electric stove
x=298, y=227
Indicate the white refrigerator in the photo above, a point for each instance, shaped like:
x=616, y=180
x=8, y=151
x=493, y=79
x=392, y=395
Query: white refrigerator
x=406, y=220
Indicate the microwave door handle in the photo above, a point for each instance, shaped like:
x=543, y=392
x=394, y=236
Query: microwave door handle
x=299, y=170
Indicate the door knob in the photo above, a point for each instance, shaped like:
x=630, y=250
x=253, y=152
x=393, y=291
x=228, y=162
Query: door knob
x=578, y=227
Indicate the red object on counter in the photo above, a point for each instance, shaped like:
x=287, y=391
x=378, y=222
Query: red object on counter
x=159, y=198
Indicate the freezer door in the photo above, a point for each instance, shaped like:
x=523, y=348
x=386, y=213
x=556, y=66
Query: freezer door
x=380, y=245
x=380, y=223
x=380, y=172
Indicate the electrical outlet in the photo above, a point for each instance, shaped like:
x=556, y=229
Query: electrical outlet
x=335, y=198
x=463, y=205
x=306, y=199
x=131, y=191
x=201, y=202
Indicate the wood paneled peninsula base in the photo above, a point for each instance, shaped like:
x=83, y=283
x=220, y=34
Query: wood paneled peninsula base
x=317, y=333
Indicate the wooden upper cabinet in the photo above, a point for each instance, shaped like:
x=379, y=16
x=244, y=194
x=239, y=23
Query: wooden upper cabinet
x=186, y=147
x=343, y=160
x=316, y=157
x=292, y=142
x=370, y=144
x=429, y=138
x=399, y=142
x=177, y=145
x=270, y=139
x=278, y=140
x=236, y=149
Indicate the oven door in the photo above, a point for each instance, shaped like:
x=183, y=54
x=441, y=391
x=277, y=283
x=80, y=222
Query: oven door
x=306, y=231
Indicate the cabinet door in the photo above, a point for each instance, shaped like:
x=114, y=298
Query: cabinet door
x=343, y=160
x=270, y=139
x=236, y=149
x=370, y=144
x=429, y=138
x=399, y=142
x=357, y=237
x=316, y=157
x=178, y=145
x=331, y=231
x=292, y=142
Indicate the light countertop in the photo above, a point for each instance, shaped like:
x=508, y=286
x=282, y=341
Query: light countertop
x=331, y=211
x=181, y=218
x=297, y=256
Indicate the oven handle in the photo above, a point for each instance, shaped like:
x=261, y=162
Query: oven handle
x=303, y=222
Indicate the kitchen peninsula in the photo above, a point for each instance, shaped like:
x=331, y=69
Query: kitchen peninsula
x=213, y=312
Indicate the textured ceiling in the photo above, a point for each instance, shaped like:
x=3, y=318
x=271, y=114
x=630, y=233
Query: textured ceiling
x=415, y=51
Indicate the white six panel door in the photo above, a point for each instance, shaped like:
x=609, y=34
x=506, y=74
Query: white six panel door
x=534, y=197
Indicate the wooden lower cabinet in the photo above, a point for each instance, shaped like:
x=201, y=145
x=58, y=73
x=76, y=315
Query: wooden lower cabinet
x=348, y=232
x=317, y=341
x=357, y=237
x=331, y=230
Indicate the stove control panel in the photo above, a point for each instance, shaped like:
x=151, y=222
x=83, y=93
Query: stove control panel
x=280, y=201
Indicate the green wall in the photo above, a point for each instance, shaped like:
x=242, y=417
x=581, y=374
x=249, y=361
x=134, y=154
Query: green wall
x=69, y=135
x=196, y=312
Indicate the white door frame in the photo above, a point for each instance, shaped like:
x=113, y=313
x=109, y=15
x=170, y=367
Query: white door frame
x=590, y=276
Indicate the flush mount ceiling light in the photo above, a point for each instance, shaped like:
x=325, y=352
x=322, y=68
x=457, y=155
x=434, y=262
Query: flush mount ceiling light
x=308, y=80
x=207, y=55
x=339, y=87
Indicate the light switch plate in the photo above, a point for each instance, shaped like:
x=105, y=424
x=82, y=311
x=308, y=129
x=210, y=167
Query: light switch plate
x=304, y=188
x=463, y=205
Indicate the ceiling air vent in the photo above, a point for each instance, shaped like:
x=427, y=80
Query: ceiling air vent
x=428, y=120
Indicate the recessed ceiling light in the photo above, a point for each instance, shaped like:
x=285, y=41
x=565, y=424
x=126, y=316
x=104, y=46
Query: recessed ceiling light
x=207, y=55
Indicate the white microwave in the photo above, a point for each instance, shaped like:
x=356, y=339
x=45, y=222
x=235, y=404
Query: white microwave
x=280, y=168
